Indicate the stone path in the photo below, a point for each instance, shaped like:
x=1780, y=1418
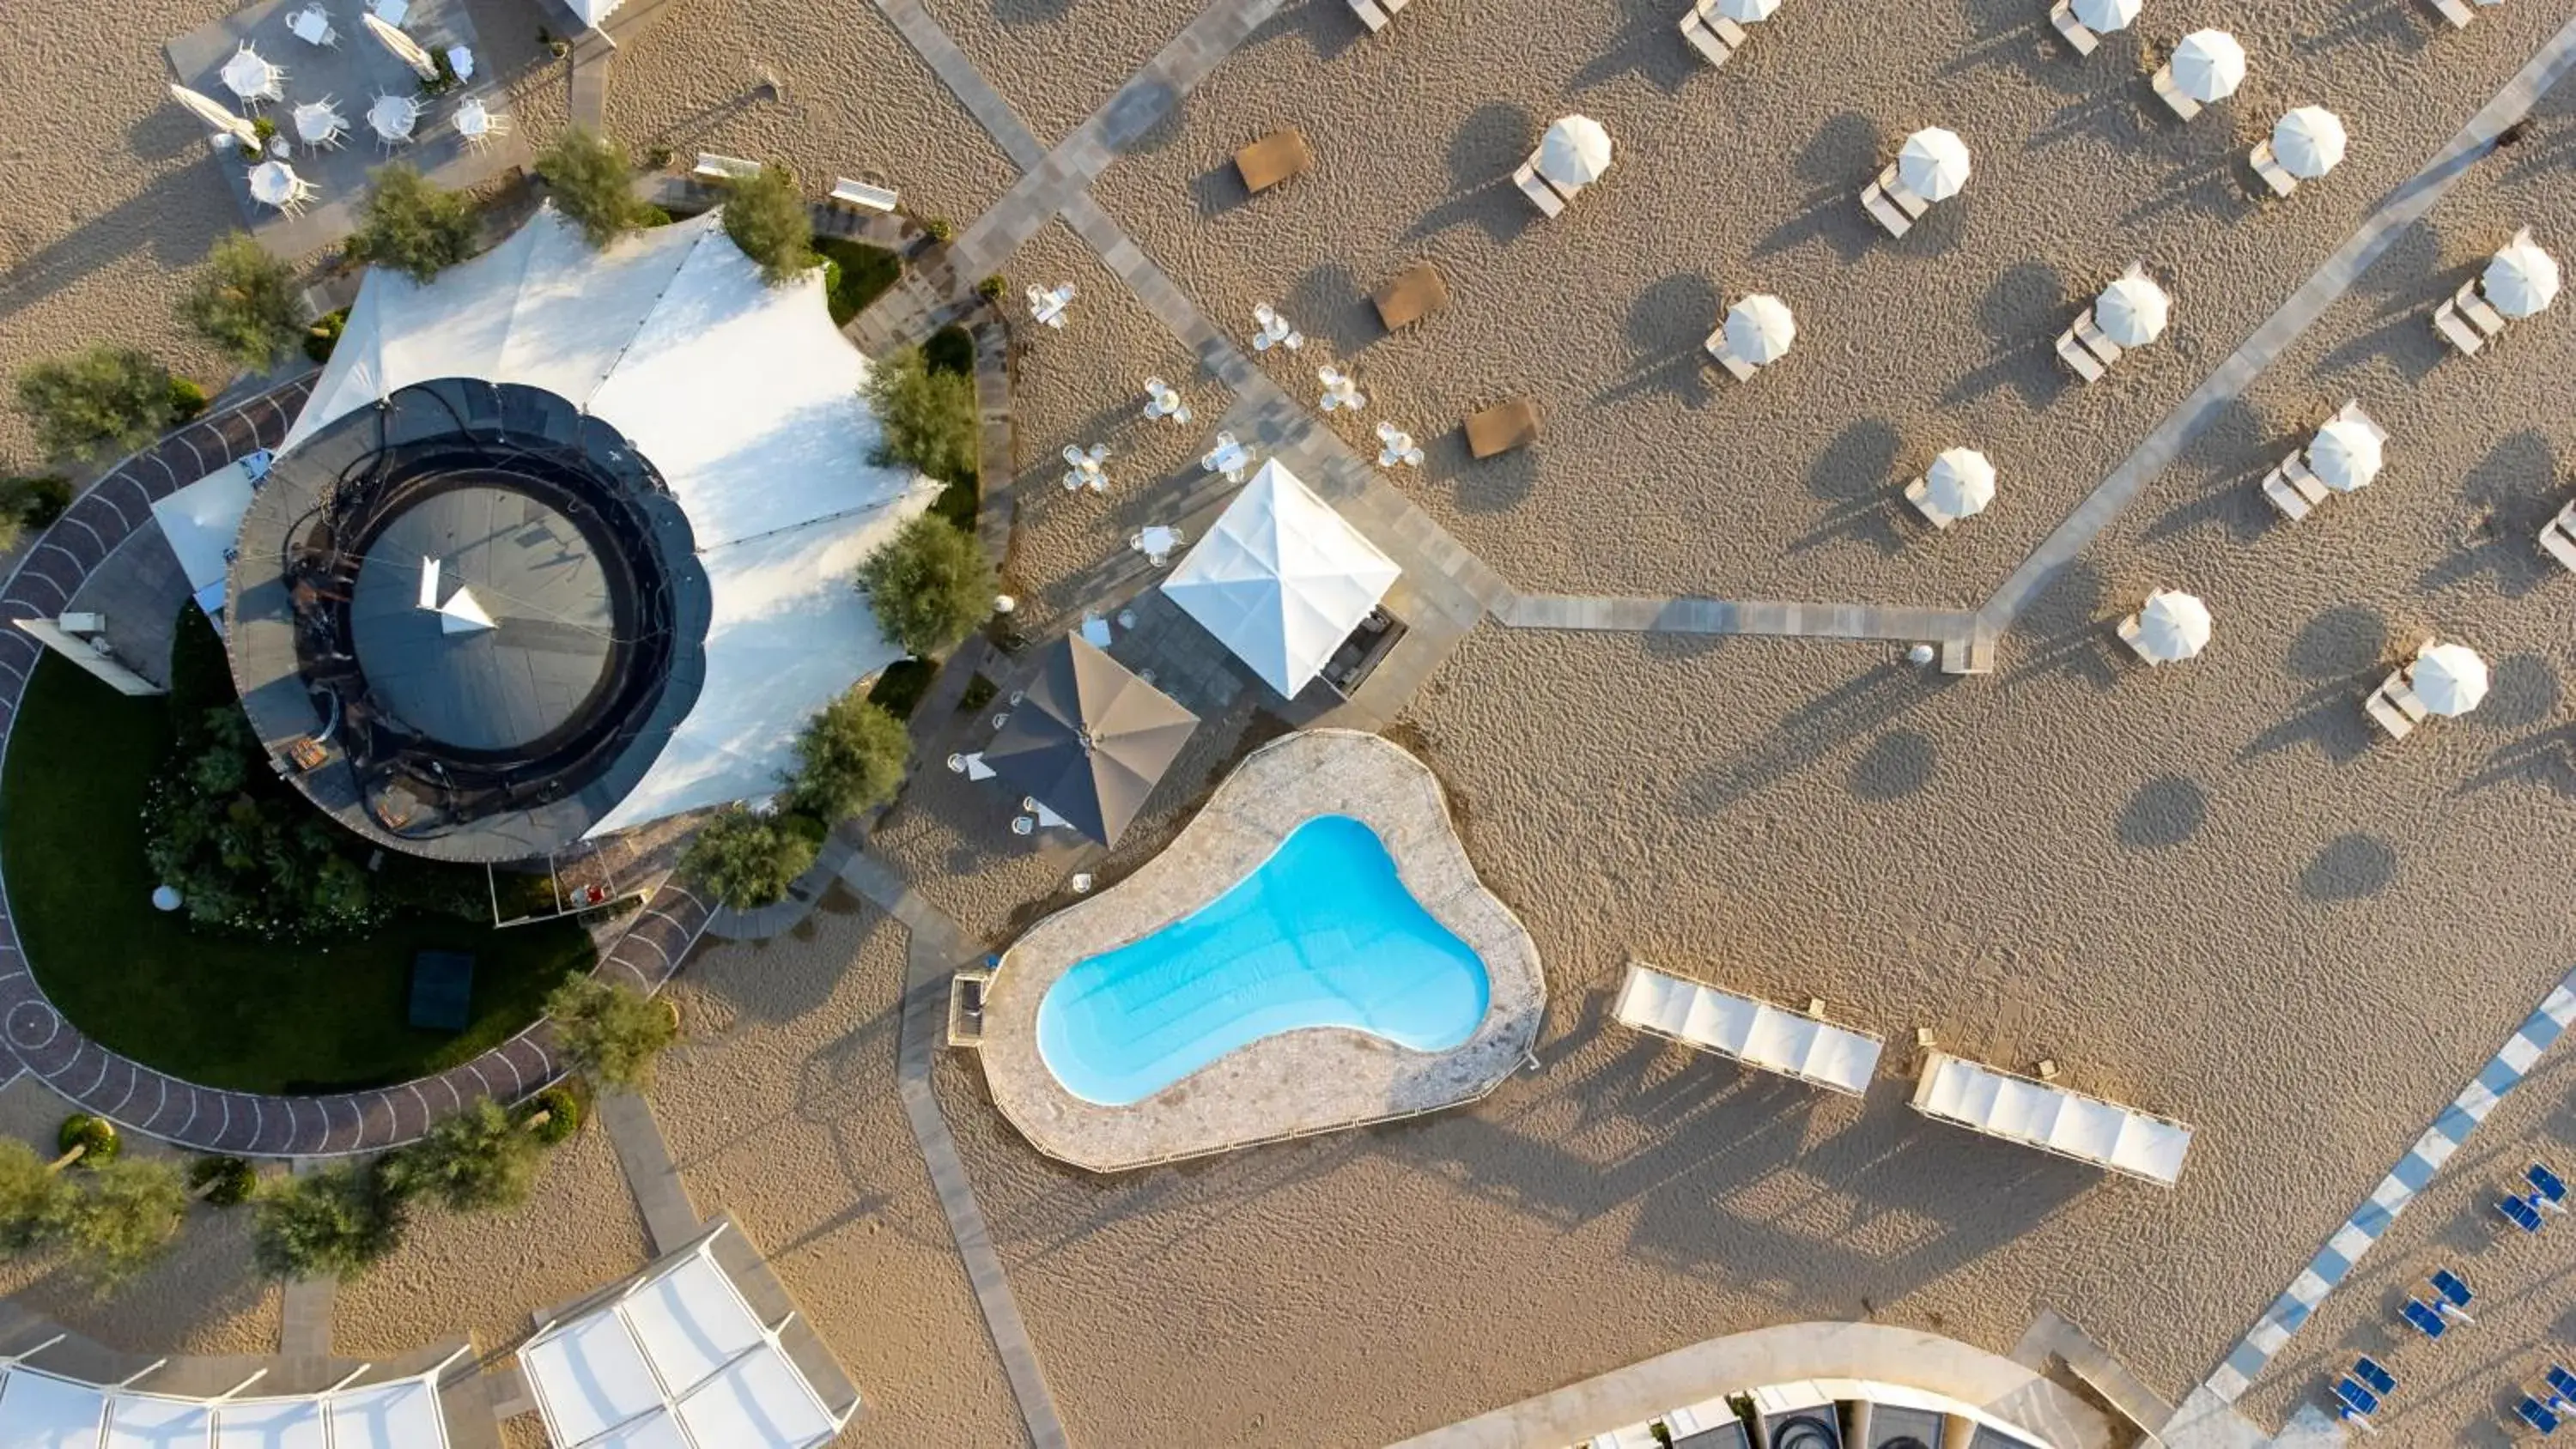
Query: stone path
x=1726, y=616
x=938, y=947
x=304, y=1307
x=644, y=1158
x=958, y=73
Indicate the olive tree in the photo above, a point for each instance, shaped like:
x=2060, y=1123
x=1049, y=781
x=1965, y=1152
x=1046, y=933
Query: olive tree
x=476, y=1161
x=765, y=215
x=930, y=585
x=610, y=1033
x=334, y=1223
x=92, y=404
x=748, y=858
x=926, y=416
x=411, y=226
x=850, y=758
x=244, y=301
x=592, y=184
x=122, y=1219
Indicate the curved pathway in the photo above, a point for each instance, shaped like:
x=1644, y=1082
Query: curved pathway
x=153, y=1103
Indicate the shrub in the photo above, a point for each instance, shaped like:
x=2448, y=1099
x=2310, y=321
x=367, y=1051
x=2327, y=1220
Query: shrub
x=939, y=229
x=187, y=400
x=765, y=215
x=930, y=585
x=748, y=858
x=31, y=1198
x=411, y=226
x=926, y=416
x=901, y=685
x=246, y=855
x=656, y=157
x=222, y=1181
x=476, y=1161
x=592, y=184
x=106, y=400
x=334, y=1223
x=610, y=1033
x=121, y=1221
x=45, y=498
x=951, y=350
x=562, y=1109
x=855, y=274
x=324, y=335
x=244, y=302
x=992, y=288
x=850, y=758
x=95, y=1137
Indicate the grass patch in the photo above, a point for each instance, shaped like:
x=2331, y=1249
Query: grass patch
x=855, y=274
x=210, y=1008
x=899, y=689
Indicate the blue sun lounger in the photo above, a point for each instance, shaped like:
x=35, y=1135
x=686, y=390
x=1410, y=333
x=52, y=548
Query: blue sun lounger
x=2357, y=1403
x=2537, y=1414
x=2367, y=1369
x=2547, y=1187
x=2520, y=1213
x=2426, y=1321
x=2562, y=1388
x=2455, y=1297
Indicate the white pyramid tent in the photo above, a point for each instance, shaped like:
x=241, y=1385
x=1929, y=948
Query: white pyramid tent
x=1281, y=579
x=744, y=397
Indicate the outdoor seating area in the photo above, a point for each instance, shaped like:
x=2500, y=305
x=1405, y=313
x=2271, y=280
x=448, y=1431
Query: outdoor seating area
x=1087, y=739
x=2442, y=679
x=1273, y=159
x=2520, y=281
x=1281, y=580
x=1931, y=167
x=2345, y=455
x=1797, y=1045
x=2130, y=313
x=2051, y=1118
x=1573, y=154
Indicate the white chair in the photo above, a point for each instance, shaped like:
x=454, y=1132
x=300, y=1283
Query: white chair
x=392, y=12
x=313, y=27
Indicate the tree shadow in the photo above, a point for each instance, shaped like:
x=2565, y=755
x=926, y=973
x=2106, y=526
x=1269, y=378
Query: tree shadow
x=1488, y=147
x=2020, y=316
x=2165, y=812
x=2351, y=867
x=2511, y=494
x=1851, y=477
x=2230, y=455
x=1666, y=325
x=1836, y=163
x=139, y=223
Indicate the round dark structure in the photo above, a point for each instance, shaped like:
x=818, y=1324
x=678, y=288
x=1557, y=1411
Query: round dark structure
x=465, y=621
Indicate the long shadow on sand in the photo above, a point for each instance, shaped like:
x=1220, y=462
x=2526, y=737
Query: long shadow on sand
x=2228, y=457
x=1666, y=325
x=2343, y=651
x=1646, y=48
x=1854, y=477
x=2068, y=631
x=2512, y=494
x=1806, y=735
x=1488, y=146
x=1835, y=164
x=2021, y=314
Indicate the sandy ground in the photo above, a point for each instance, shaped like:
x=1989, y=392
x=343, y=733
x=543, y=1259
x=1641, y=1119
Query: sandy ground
x=1057, y=61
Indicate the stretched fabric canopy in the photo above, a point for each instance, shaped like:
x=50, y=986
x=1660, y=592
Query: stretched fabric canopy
x=1089, y=739
x=54, y=1411
x=1753, y=1032
x=1281, y=579
x=2052, y=1119
x=745, y=399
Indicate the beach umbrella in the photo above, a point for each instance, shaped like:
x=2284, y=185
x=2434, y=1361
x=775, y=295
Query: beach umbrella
x=2132, y=310
x=249, y=76
x=1088, y=739
x=1759, y=329
x=1961, y=482
x=2345, y=455
x=2522, y=279
x=2449, y=678
x=2309, y=142
x=1934, y=164
x=2209, y=65
x=2174, y=625
x=1574, y=152
x=2105, y=16
x=214, y=113
x=404, y=48
x=1747, y=12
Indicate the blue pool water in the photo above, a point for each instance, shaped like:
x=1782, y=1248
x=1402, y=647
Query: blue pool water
x=1323, y=933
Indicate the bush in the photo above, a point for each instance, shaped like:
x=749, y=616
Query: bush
x=748, y=858
x=334, y=1223
x=95, y=1137
x=951, y=350
x=765, y=215
x=92, y=404
x=930, y=585
x=44, y=498
x=939, y=229
x=979, y=693
x=562, y=1109
x=855, y=274
x=476, y=1161
x=927, y=416
x=324, y=335
x=31, y=1198
x=248, y=855
x=244, y=302
x=992, y=288
x=901, y=685
x=850, y=758
x=411, y=226
x=592, y=184
x=122, y=1219
x=656, y=157
x=187, y=400
x=222, y=1181
x=610, y=1033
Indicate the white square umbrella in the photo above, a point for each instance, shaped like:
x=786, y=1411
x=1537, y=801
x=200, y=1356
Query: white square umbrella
x=1934, y=164
x=2521, y=280
x=1759, y=329
x=2209, y=65
x=2309, y=142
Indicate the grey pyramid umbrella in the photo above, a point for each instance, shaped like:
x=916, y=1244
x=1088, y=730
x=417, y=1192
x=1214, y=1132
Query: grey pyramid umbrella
x=1089, y=739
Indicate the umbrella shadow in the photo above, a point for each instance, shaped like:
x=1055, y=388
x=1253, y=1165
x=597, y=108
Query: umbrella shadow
x=1864, y=705
x=2020, y=315
x=1489, y=145
x=1852, y=477
x=2512, y=494
x=2405, y=23
x=1666, y=325
x=2230, y=456
x=2343, y=651
x=1835, y=164
x=1646, y=48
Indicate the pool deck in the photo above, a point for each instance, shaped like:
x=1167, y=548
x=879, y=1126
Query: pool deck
x=1296, y=1083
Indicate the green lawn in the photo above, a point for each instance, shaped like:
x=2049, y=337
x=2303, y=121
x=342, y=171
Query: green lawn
x=855, y=274
x=213, y=1009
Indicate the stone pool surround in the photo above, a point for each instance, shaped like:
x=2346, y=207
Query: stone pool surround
x=1318, y=1079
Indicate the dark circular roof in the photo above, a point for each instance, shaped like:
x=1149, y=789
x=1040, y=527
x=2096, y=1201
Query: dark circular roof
x=436, y=572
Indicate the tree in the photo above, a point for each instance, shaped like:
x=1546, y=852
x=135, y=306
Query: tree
x=411, y=226
x=610, y=1033
x=106, y=400
x=926, y=415
x=750, y=857
x=592, y=184
x=850, y=758
x=334, y=1223
x=476, y=1161
x=122, y=1220
x=930, y=585
x=245, y=302
x=765, y=215
x=31, y=1198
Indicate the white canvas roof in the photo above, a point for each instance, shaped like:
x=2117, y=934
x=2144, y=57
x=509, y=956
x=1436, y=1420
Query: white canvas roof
x=40, y=1410
x=201, y=521
x=676, y=1361
x=1753, y=1032
x=1281, y=579
x=743, y=396
x=594, y=11
x=2053, y=1119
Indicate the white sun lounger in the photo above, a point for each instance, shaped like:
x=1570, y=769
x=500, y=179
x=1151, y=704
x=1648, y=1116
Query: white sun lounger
x=1375, y=13
x=1715, y=37
x=2394, y=707
x=1891, y=204
x=2085, y=348
x=1541, y=191
x=2467, y=321
x=2052, y=1118
x=2458, y=13
x=860, y=196
x=1753, y=1032
x=2183, y=105
x=712, y=167
x=2268, y=166
x=2558, y=537
x=2077, y=33
x=1741, y=369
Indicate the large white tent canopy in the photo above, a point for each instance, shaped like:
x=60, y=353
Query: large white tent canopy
x=675, y=1361
x=1281, y=579
x=745, y=399
x=200, y=522
x=2052, y=1118
x=42, y=1410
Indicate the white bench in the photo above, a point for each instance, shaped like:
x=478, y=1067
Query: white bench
x=712, y=167
x=860, y=196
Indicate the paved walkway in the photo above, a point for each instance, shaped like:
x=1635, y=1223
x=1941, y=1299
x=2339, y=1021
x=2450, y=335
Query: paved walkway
x=958, y=73
x=1729, y=616
x=644, y=1158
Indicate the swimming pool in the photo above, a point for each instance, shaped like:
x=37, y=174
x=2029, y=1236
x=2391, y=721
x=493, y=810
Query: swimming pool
x=1323, y=933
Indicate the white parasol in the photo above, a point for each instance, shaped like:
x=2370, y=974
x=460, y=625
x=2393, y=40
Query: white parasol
x=2132, y=310
x=2173, y=625
x=1960, y=482
x=1747, y=12
x=1759, y=329
x=1934, y=164
x=2105, y=16
x=2346, y=455
x=2449, y=678
x=213, y=112
x=1574, y=152
x=404, y=48
x=2209, y=65
x=2309, y=142
x=2522, y=279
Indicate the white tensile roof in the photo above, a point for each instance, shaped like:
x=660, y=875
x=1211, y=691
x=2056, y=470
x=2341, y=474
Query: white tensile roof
x=1753, y=1032
x=678, y=1359
x=1281, y=579
x=40, y=1408
x=2054, y=1119
x=200, y=522
x=594, y=11
x=744, y=397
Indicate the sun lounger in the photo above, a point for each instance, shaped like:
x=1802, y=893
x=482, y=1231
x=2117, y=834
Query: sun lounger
x=2183, y=105
x=720, y=169
x=1502, y=427
x=2558, y=537
x=2548, y=1190
x=2274, y=174
x=2562, y=1386
x=1541, y=191
x=1273, y=159
x=2537, y=1414
x=1715, y=37
x=2474, y=306
x=2394, y=707
x=2380, y=1380
x=2456, y=331
x=1375, y=13
x=1794, y=1044
x=2356, y=1403
x=2452, y=1295
x=2454, y=11
x=860, y=196
x=1891, y=204
x=2518, y=1211
x=2062, y=15
x=1410, y=295
x=2425, y=1321
x=1716, y=344
x=2294, y=496
x=2086, y=348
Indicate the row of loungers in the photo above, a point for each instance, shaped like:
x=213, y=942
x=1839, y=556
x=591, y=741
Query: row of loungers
x=1803, y=1046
